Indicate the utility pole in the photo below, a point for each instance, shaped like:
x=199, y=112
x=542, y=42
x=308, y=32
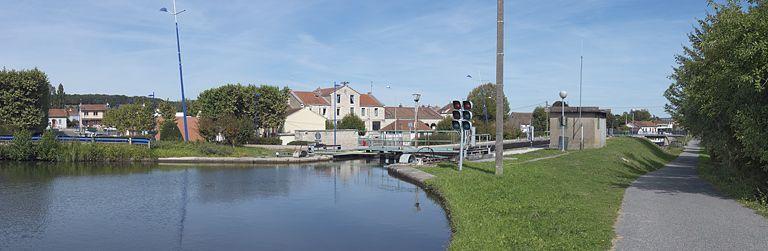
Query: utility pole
x=581, y=74
x=500, y=116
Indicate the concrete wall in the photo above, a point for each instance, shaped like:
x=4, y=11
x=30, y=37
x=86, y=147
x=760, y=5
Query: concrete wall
x=348, y=139
x=303, y=119
x=594, y=132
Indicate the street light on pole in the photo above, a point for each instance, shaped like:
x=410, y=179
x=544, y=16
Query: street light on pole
x=416, y=98
x=335, y=111
x=563, y=95
x=181, y=74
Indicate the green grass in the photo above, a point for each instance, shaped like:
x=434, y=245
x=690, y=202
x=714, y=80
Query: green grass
x=179, y=149
x=744, y=188
x=568, y=202
x=517, y=158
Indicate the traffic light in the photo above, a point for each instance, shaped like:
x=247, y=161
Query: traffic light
x=462, y=115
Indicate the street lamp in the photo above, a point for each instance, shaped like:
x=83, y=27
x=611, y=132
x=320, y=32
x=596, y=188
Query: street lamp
x=335, y=111
x=181, y=75
x=563, y=95
x=416, y=98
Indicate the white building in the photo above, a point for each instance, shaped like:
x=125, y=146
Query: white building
x=335, y=103
x=57, y=119
x=427, y=116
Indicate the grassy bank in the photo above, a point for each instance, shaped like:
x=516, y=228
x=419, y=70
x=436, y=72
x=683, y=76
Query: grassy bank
x=744, y=188
x=568, y=202
x=179, y=149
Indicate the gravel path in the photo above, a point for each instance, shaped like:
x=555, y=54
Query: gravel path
x=673, y=209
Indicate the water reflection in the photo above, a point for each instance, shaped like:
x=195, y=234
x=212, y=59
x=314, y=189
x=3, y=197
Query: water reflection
x=54, y=206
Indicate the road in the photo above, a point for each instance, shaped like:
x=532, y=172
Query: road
x=673, y=209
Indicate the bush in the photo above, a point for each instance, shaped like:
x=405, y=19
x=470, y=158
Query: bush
x=21, y=147
x=169, y=131
x=47, y=148
x=300, y=143
x=213, y=149
x=91, y=152
x=268, y=141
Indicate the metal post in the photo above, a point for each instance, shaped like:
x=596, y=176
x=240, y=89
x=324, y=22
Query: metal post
x=415, y=125
x=181, y=75
x=461, y=150
x=581, y=74
x=562, y=125
x=500, y=88
x=334, y=113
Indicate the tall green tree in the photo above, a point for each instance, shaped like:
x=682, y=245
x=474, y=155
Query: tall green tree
x=60, y=96
x=241, y=102
x=131, y=118
x=352, y=121
x=719, y=91
x=539, y=119
x=24, y=100
x=485, y=94
x=169, y=130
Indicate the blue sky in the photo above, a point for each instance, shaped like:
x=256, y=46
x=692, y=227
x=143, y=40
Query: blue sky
x=128, y=47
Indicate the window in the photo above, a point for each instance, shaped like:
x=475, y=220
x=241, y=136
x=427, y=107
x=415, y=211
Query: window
x=95, y=113
x=375, y=112
x=86, y=113
x=324, y=111
x=362, y=112
x=351, y=99
x=376, y=125
x=338, y=98
x=352, y=110
x=338, y=111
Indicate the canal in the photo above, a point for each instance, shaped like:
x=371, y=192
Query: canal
x=331, y=206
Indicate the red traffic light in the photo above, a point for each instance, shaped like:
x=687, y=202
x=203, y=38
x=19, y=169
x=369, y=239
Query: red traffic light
x=467, y=105
x=456, y=105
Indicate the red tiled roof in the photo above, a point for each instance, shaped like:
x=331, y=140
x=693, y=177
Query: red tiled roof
x=405, y=112
x=644, y=123
x=192, y=125
x=446, y=109
x=310, y=98
x=324, y=91
x=369, y=100
x=57, y=113
x=93, y=107
x=403, y=125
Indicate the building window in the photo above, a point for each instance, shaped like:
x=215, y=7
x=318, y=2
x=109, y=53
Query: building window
x=351, y=99
x=338, y=98
x=95, y=113
x=375, y=112
x=352, y=110
x=338, y=111
x=362, y=112
x=86, y=113
x=376, y=125
x=324, y=111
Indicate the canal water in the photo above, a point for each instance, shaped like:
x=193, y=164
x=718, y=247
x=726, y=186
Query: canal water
x=332, y=206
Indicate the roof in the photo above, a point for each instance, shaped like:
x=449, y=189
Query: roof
x=574, y=109
x=404, y=125
x=404, y=112
x=369, y=100
x=290, y=111
x=93, y=107
x=446, y=109
x=324, y=91
x=521, y=116
x=57, y=113
x=310, y=98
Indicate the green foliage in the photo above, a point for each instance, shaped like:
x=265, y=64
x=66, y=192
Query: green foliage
x=21, y=147
x=539, y=120
x=748, y=187
x=300, y=143
x=169, y=131
x=25, y=99
x=131, y=117
x=445, y=124
x=719, y=92
x=48, y=146
x=94, y=152
x=112, y=100
x=204, y=149
x=641, y=115
x=272, y=107
x=238, y=101
x=486, y=93
x=275, y=141
x=568, y=202
x=167, y=111
x=352, y=121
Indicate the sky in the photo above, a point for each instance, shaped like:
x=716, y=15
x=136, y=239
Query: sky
x=426, y=46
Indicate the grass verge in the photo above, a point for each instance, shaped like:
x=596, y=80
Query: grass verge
x=568, y=202
x=201, y=149
x=744, y=188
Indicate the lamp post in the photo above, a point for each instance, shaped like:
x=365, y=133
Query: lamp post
x=335, y=112
x=563, y=95
x=416, y=98
x=181, y=75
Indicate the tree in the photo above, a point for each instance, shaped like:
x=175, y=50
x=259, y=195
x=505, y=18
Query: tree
x=25, y=99
x=130, y=118
x=169, y=130
x=271, y=108
x=485, y=94
x=445, y=125
x=59, y=100
x=167, y=111
x=240, y=101
x=352, y=121
x=539, y=119
x=642, y=115
x=719, y=90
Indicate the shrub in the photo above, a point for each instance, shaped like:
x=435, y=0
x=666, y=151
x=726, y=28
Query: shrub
x=169, y=131
x=91, y=152
x=47, y=148
x=300, y=143
x=209, y=149
x=21, y=147
x=268, y=141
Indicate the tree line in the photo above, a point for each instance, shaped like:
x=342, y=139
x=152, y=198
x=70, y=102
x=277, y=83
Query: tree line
x=719, y=86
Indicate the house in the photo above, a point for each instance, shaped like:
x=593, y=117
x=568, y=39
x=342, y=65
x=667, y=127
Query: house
x=91, y=115
x=521, y=120
x=427, y=116
x=593, y=120
x=300, y=119
x=192, y=126
x=643, y=127
x=665, y=126
x=335, y=103
x=57, y=118
x=406, y=125
x=446, y=111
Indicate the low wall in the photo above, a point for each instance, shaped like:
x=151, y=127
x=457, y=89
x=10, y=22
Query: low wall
x=347, y=139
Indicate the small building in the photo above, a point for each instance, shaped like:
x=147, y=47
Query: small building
x=300, y=119
x=335, y=103
x=57, y=119
x=521, y=120
x=593, y=120
x=427, y=116
x=643, y=127
x=91, y=115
